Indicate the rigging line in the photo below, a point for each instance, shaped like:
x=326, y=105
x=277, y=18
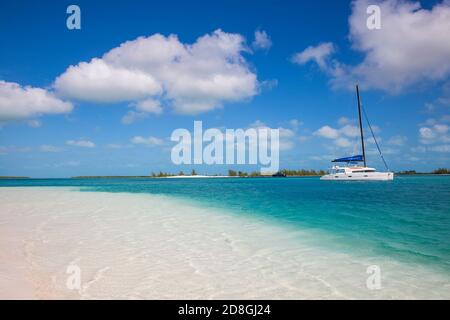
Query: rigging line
x=375, y=139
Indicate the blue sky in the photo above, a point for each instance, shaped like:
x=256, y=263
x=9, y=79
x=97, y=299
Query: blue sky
x=299, y=77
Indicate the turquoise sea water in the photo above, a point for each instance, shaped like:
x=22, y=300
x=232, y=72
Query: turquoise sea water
x=407, y=219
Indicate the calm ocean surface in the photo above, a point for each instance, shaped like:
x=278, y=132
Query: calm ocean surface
x=407, y=219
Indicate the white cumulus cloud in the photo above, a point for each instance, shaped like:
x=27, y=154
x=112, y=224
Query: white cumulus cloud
x=150, y=141
x=23, y=102
x=327, y=132
x=193, y=78
x=319, y=54
x=131, y=116
x=150, y=106
x=142, y=110
x=434, y=134
x=343, y=142
x=81, y=143
x=343, y=137
x=412, y=44
x=411, y=47
x=99, y=81
x=262, y=40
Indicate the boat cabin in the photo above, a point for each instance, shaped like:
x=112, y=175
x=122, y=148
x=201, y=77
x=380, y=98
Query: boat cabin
x=352, y=169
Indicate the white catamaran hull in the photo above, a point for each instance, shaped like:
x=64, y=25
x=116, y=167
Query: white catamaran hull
x=373, y=176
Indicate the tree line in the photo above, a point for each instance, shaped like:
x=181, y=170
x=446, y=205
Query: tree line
x=235, y=173
x=292, y=173
x=436, y=171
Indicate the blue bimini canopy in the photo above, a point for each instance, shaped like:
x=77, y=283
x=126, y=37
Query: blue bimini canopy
x=357, y=158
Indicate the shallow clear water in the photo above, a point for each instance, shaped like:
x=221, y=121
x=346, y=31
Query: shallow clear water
x=407, y=219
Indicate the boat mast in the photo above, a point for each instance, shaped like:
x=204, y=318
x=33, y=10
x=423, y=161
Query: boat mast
x=360, y=126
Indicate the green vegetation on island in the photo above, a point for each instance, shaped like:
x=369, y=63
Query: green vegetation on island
x=406, y=172
x=302, y=173
x=286, y=172
x=436, y=171
x=441, y=171
x=165, y=174
x=13, y=177
x=234, y=173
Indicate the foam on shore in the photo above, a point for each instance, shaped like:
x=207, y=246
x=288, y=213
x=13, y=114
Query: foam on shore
x=157, y=247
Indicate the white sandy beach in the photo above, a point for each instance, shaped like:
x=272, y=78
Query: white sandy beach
x=137, y=246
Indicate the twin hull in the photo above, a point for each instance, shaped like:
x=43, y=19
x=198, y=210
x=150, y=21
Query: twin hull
x=375, y=176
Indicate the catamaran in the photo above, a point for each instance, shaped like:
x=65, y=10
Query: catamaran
x=353, y=171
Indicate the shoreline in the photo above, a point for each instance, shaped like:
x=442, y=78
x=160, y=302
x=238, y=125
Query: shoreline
x=141, y=246
x=197, y=176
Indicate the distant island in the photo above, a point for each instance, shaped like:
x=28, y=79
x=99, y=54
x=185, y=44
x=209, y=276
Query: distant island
x=233, y=173
x=108, y=177
x=13, y=177
x=242, y=174
x=437, y=171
